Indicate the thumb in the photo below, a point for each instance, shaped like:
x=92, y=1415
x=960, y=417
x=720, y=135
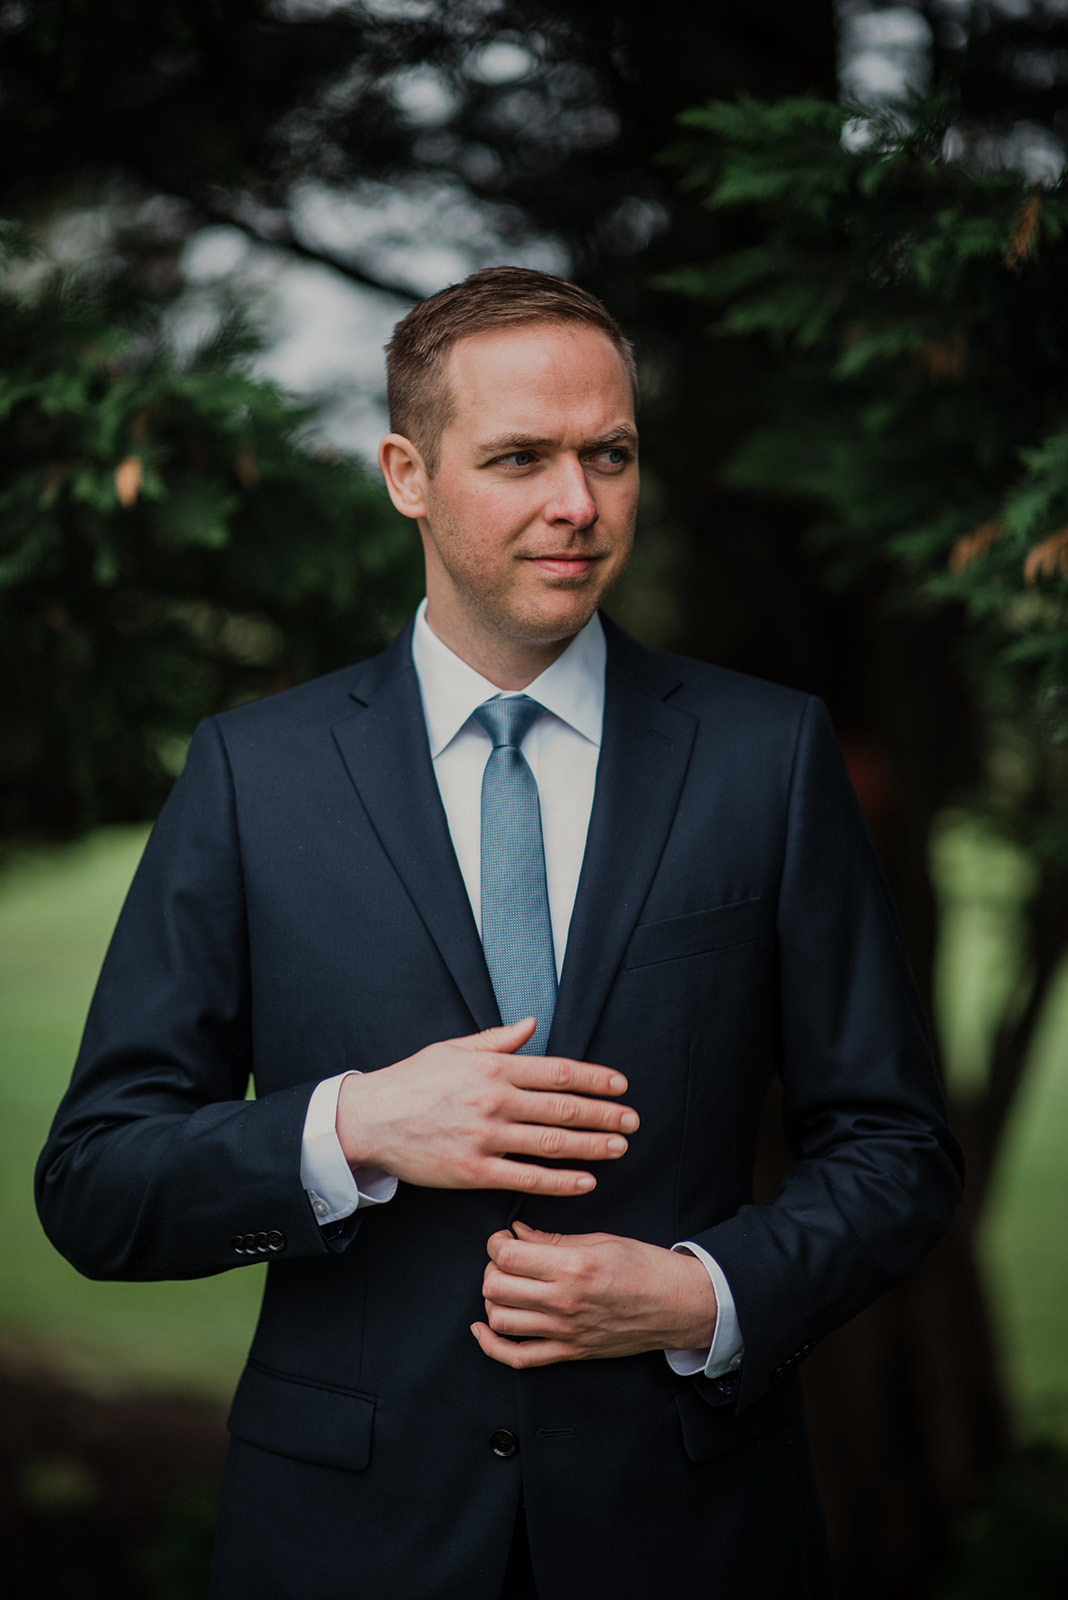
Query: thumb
x=508, y=1037
x=524, y=1231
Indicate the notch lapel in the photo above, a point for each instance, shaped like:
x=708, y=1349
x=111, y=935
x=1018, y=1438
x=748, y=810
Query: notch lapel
x=384, y=746
x=645, y=752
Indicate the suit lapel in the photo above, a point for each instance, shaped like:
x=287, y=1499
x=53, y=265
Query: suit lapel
x=384, y=746
x=645, y=751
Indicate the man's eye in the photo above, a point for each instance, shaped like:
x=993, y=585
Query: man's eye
x=613, y=456
x=519, y=458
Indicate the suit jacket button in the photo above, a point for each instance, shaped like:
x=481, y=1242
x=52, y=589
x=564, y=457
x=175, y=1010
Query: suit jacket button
x=248, y=1244
x=503, y=1442
x=237, y=1244
x=276, y=1240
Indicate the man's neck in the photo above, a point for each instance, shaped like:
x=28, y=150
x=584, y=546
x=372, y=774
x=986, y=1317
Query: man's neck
x=510, y=664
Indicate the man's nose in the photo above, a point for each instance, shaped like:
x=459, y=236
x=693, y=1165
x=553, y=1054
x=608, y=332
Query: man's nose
x=570, y=499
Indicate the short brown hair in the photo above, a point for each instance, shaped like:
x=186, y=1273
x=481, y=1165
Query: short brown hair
x=420, y=405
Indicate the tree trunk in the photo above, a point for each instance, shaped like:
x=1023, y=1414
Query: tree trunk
x=907, y=1405
x=907, y=1415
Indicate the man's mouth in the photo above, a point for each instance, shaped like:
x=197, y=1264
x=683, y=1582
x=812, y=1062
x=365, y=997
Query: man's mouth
x=564, y=566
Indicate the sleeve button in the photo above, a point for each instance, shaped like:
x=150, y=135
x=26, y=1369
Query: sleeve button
x=276, y=1240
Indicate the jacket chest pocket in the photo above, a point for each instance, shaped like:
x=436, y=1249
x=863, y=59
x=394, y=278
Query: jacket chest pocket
x=697, y=933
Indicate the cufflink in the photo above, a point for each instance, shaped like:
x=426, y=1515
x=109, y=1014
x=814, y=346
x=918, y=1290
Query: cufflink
x=726, y=1383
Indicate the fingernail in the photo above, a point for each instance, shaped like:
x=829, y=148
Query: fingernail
x=617, y=1146
x=473, y=1331
x=587, y=1182
x=628, y=1121
x=616, y=1083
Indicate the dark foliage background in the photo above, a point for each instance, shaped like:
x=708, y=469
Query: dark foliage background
x=885, y=386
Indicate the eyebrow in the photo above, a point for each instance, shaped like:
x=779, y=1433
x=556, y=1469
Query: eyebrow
x=506, y=442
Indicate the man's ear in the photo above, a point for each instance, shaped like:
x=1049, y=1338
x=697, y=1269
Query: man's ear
x=405, y=473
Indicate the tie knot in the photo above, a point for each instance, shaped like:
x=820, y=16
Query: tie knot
x=508, y=721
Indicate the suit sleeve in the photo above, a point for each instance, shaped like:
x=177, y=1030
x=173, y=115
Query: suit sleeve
x=156, y=1165
x=877, y=1175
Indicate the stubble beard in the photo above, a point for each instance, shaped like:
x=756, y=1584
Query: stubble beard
x=505, y=615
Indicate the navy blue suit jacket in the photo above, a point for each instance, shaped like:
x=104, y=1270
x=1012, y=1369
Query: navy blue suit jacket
x=300, y=911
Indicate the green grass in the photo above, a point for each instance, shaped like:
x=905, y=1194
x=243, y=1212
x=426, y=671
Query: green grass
x=983, y=885
x=1025, y=1247
x=56, y=913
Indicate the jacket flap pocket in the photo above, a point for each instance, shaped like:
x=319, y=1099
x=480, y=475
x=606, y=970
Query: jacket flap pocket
x=309, y=1421
x=715, y=929
x=709, y=1430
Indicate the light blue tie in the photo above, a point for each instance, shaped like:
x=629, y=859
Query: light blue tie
x=517, y=934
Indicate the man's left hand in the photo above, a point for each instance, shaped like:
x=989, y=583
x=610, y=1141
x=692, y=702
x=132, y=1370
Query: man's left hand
x=580, y=1297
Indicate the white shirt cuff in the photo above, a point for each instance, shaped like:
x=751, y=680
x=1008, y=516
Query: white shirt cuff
x=334, y=1188
x=725, y=1352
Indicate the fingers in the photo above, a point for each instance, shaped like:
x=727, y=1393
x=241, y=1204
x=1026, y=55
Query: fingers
x=564, y=1125
x=546, y=1072
x=558, y=1094
x=559, y=1073
x=531, y=1256
x=515, y=1322
x=574, y=1111
x=535, y=1305
x=498, y=1172
x=524, y=1353
x=518, y=1229
x=523, y=1230
x=523, y=1262
x=558, y=1144
x=508, y=1037
x=522, y=1321
x=469, y=1113
x=570, y=1111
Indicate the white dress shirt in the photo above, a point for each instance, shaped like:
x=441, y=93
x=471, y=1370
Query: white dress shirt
x=562, y=748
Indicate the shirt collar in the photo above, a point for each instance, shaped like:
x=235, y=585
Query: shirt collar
x=572, y=688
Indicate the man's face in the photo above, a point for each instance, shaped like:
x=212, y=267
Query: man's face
x=529, y=518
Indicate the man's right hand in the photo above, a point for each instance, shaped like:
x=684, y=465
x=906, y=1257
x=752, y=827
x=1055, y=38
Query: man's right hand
x=450, y=1116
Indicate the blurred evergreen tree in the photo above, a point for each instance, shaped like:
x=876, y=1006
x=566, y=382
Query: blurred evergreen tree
x=545, y=111
x=918, y=406
x=1007, y=61
x=155, y=123
x=168, y=547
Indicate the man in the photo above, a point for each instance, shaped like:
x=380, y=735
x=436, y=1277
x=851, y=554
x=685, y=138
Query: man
x=524, y=1329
